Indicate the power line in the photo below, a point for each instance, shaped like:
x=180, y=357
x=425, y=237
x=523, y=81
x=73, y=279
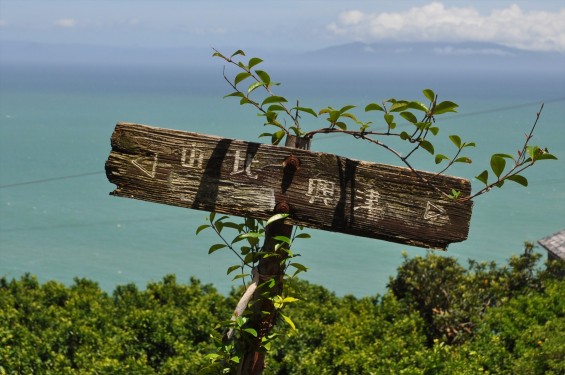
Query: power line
x=50, y=179
x=500, y=109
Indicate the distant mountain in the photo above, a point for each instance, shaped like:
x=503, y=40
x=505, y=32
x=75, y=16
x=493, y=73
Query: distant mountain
x=435, y=54
x=426, y=55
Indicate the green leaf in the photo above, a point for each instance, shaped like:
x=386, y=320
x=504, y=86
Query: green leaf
x=240, y=77
x=389, y=118
x=325, y=110
x=219, y=226
x=299, y=267
x=307, y=110
x=290, y=300
x=445, y=107
x=233, y=268
x=423, y=125
x=346, y=108
x=251, y=331
x=333, y=116
x=240, y=276
x=374, y=107
x=229, y=224
x=303, y=235
x=439, y=158
x=350, y=115
x=218, y=54
x=497, y=164
x=250, y=258
x=251, y=235
x=238, y=52
x=297, y=132
x=264, y=76
x=399, y=106
x=276, y=217
x=283, y=239
x=236, y=93
x=463, y=159
x=273, y=99
x=546, y=156
x=483, y=177
x=418, y=106
x=434, y=130
x=254, y=61
x=275, y=107
x=404, y=136
x=201, y=228
x=429, y=94
x=506, y=156
x=342, y=125
x=245, y=101
x=427, y=146
x=519, y=179
x=277, y=137
x=456, y=140
x=216, y=247
x=253, y=86
x=409, y=116
x=288, y=321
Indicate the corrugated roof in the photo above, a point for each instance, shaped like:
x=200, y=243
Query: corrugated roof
x=555, y=244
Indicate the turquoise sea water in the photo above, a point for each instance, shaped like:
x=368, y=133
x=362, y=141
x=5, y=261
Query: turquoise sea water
x=56, y=121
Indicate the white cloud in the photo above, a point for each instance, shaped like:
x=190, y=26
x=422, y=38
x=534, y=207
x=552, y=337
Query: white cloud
x=66, y=22
x=511, y=26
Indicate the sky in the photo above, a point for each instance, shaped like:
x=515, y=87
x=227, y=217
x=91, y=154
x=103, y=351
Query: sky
x=300, y=25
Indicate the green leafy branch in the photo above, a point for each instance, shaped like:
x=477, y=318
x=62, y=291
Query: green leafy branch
x=417, y=138
x=422, y=118
x=228, y=353
x=526, y=157
x=270, y=107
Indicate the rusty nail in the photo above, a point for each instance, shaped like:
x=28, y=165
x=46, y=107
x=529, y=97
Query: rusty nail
x=282, y=208
x=291, y=163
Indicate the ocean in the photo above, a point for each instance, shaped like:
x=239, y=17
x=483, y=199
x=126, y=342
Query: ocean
x=58, y=221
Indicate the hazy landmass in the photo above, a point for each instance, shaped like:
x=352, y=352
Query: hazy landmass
x=441, y=55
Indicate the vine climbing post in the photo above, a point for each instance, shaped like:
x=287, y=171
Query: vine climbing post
x=271, y=272
x=291, y=184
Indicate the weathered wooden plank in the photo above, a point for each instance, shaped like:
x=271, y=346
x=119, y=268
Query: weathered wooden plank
x=327, y=192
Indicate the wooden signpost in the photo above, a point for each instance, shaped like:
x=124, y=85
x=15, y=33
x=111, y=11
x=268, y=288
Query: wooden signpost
x=319, y=190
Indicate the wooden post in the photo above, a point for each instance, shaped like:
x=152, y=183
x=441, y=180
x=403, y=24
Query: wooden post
x=253, y=361
x=319, y=190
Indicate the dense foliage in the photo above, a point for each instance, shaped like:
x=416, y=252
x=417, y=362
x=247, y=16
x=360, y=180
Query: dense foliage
x=437, y=317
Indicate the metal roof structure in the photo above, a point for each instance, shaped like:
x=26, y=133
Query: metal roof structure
x=555, y=244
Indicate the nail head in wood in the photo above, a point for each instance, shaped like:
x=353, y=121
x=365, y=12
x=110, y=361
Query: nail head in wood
x=282, y=208
x=291, y=163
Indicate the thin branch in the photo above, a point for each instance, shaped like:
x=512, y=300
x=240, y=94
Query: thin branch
x=522, y=155
x=228, y=244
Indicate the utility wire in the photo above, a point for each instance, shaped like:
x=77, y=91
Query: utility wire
x=50, y=179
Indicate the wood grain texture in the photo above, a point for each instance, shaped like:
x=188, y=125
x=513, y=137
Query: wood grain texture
x=327, y=192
